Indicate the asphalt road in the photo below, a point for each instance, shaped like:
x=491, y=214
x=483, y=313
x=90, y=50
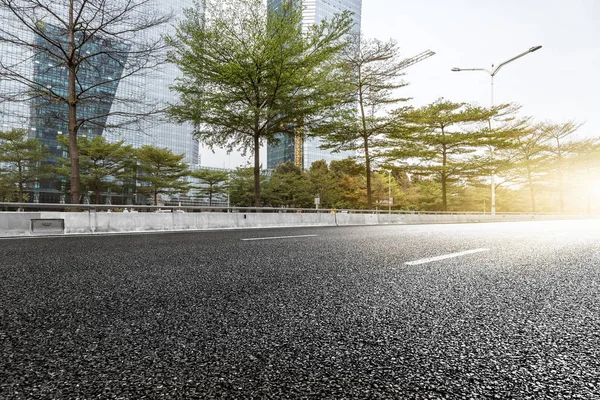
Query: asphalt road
x=507, y=310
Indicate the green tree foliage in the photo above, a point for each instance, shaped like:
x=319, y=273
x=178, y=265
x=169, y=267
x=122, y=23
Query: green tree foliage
x=103, y=166
x=161, y=171
x=440, y=137
x=429, y=194
x=347, y=166
x=250, y=73
x=22, y=160
x=526, y=161
x=499, y=156
x=407, y=197
x=384, y=186
x=8, y=190
x=468, y=197
x=289, y=186
x=325, y=185
x=472, y=195
x=562, y=149
x=352, y=182
x=213, y=182
x=375, y=71
x=241, y=187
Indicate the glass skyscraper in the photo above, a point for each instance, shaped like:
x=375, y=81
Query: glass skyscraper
x=160, y=133
x=314, y=12
x=45, y=119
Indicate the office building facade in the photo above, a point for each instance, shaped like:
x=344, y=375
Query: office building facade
x=160, y=132
x=106, y=96
x=314, y=11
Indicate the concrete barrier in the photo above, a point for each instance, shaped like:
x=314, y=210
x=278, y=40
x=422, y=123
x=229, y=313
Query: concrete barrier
x=19, y=223
x=356, y=219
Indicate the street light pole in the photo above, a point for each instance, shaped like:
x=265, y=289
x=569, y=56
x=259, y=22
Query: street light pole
x=493, y=73
x=389, y=191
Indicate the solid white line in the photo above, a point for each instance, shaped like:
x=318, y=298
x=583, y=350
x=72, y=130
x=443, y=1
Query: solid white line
x=445, y=256
x=280, y=237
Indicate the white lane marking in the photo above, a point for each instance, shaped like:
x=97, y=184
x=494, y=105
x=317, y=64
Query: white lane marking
x=445, y=256
x=280, y=237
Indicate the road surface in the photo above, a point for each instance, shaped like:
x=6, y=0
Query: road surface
x=505, y=310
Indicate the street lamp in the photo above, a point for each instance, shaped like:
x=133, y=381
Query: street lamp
x=493, y=73
x=389, y=191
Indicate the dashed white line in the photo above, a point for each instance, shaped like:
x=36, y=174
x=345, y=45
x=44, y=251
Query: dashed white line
x=445, y=256
x=279, y=237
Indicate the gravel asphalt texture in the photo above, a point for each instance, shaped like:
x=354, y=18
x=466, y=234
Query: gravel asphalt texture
x=337, y=315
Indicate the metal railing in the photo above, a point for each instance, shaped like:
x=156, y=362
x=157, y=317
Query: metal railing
x=34, y=207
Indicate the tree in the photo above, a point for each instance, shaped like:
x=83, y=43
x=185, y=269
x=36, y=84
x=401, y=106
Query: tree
x=289, y=186
x=7, y=188
x=82, y=51
x=587, y=158
x=407, y=192
x=102, y=165
x=384, y=187
x=351, y=179
x=250, y=73
x=348, y=166
x=22, y=159
x=503, y=157
x=561, y=147
x=429, y=196
x=440, y=136
x=213, y=182
x=162, y=171
x=526, y=160
x=325, y=185
x=375, y=71
x=241, y=187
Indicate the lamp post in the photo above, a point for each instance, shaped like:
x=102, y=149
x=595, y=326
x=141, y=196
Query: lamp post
x=389, y=191
x=493, y=73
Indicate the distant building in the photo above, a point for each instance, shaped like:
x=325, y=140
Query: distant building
x=284, y=151
x=45, y=119
x=161, y=133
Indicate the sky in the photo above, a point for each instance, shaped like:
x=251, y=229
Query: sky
x=558, y=83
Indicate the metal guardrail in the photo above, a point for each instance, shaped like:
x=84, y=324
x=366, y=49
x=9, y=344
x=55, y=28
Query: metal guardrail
x=183, y=208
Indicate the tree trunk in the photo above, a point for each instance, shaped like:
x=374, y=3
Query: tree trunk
x=363, y=120
x=72, y=104
x=561, y=189
x=560, y=177
x=444, y=198
x=531, y=192
x=20, y=177
x=444, y=177
x=589, y=197
x=256, y=172
x=368, y=167
x=21, y=195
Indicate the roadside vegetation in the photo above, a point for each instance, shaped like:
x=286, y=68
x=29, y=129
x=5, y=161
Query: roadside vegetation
x=251, y=75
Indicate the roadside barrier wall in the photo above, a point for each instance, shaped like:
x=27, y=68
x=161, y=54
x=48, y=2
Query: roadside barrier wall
x=20, y=223
x=17, y=223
